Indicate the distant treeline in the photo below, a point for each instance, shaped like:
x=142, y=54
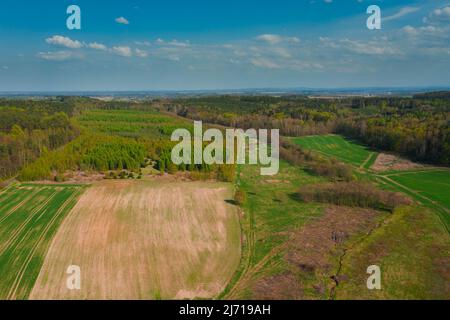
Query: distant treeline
x=28, y=133
x=417, y=128
x=30, y=129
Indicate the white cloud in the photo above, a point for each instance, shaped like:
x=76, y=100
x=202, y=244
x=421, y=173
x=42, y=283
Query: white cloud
x=122, y=20
x=438, y=15
x=275, y=38
x=58, y=55
x=270, y=38
x=123, y=51
x=97, y=46
x=177, y=43
x=264, y=63
x=403, y=12
x=143, y=43
x=369, y=47
x=141, y=53
x=64, y=42
x=282, y=52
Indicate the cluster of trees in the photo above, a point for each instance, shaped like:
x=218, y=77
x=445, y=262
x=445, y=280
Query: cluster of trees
x=26, y=134
x=100, y=152
x=416, y=127
x=37, y=129
x=203, y=171
x=424, y=139
x=116, y=154
x=353, y=194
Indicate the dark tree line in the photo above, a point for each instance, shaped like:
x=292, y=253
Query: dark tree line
x=416, y=127
x=26, y=134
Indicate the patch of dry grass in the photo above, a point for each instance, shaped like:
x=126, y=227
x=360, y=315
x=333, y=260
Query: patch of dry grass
x=145, y=240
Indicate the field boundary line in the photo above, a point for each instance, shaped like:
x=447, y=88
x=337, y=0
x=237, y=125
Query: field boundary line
x=368, y=159
x=438, y=208
x=414, y=172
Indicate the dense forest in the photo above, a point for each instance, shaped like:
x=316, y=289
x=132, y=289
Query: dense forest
x=417, y=127
x=41, y=138
x=28, y=133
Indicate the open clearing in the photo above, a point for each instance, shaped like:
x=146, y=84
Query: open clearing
x=30, y=215
x=145, y=240
x=385, y=162
x=338, y=147
x=428, y=185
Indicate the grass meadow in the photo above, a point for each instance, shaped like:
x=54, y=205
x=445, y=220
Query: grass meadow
x=338, y=147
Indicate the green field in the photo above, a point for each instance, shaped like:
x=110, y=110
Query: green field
x=430, y=187
x=412, y=250
x=431, y=184
x=271, y=213
x=30, y=215
x=335, y=146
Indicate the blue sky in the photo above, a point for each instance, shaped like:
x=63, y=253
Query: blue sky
x=176, y=45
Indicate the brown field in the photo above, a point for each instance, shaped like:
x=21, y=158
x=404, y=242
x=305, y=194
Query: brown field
x=386, y=162
x=145, y=240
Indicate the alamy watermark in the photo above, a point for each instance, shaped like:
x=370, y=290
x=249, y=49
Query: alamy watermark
x=73, y=281
x=374, y=280
x=257, y=151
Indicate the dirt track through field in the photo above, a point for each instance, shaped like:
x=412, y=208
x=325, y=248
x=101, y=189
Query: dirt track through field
x=145, y=240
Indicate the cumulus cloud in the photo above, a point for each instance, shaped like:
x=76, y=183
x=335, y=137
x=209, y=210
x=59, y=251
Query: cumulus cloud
x=141, y=53
x=275, y=38
x=270, y=38
x=58, y=55
x=438, y=15
x=370, y=47
x=177, y=43
x=123, y=51
x=122, y=20
x=97, y=46
x=64, y=42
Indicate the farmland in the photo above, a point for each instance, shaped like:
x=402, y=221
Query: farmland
x=337, y=147
x=431, y=184
x=430, y=187
x=270, y=215
x=146, y=230
x=427, y=185
x=29, y=218
x=145, y=240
